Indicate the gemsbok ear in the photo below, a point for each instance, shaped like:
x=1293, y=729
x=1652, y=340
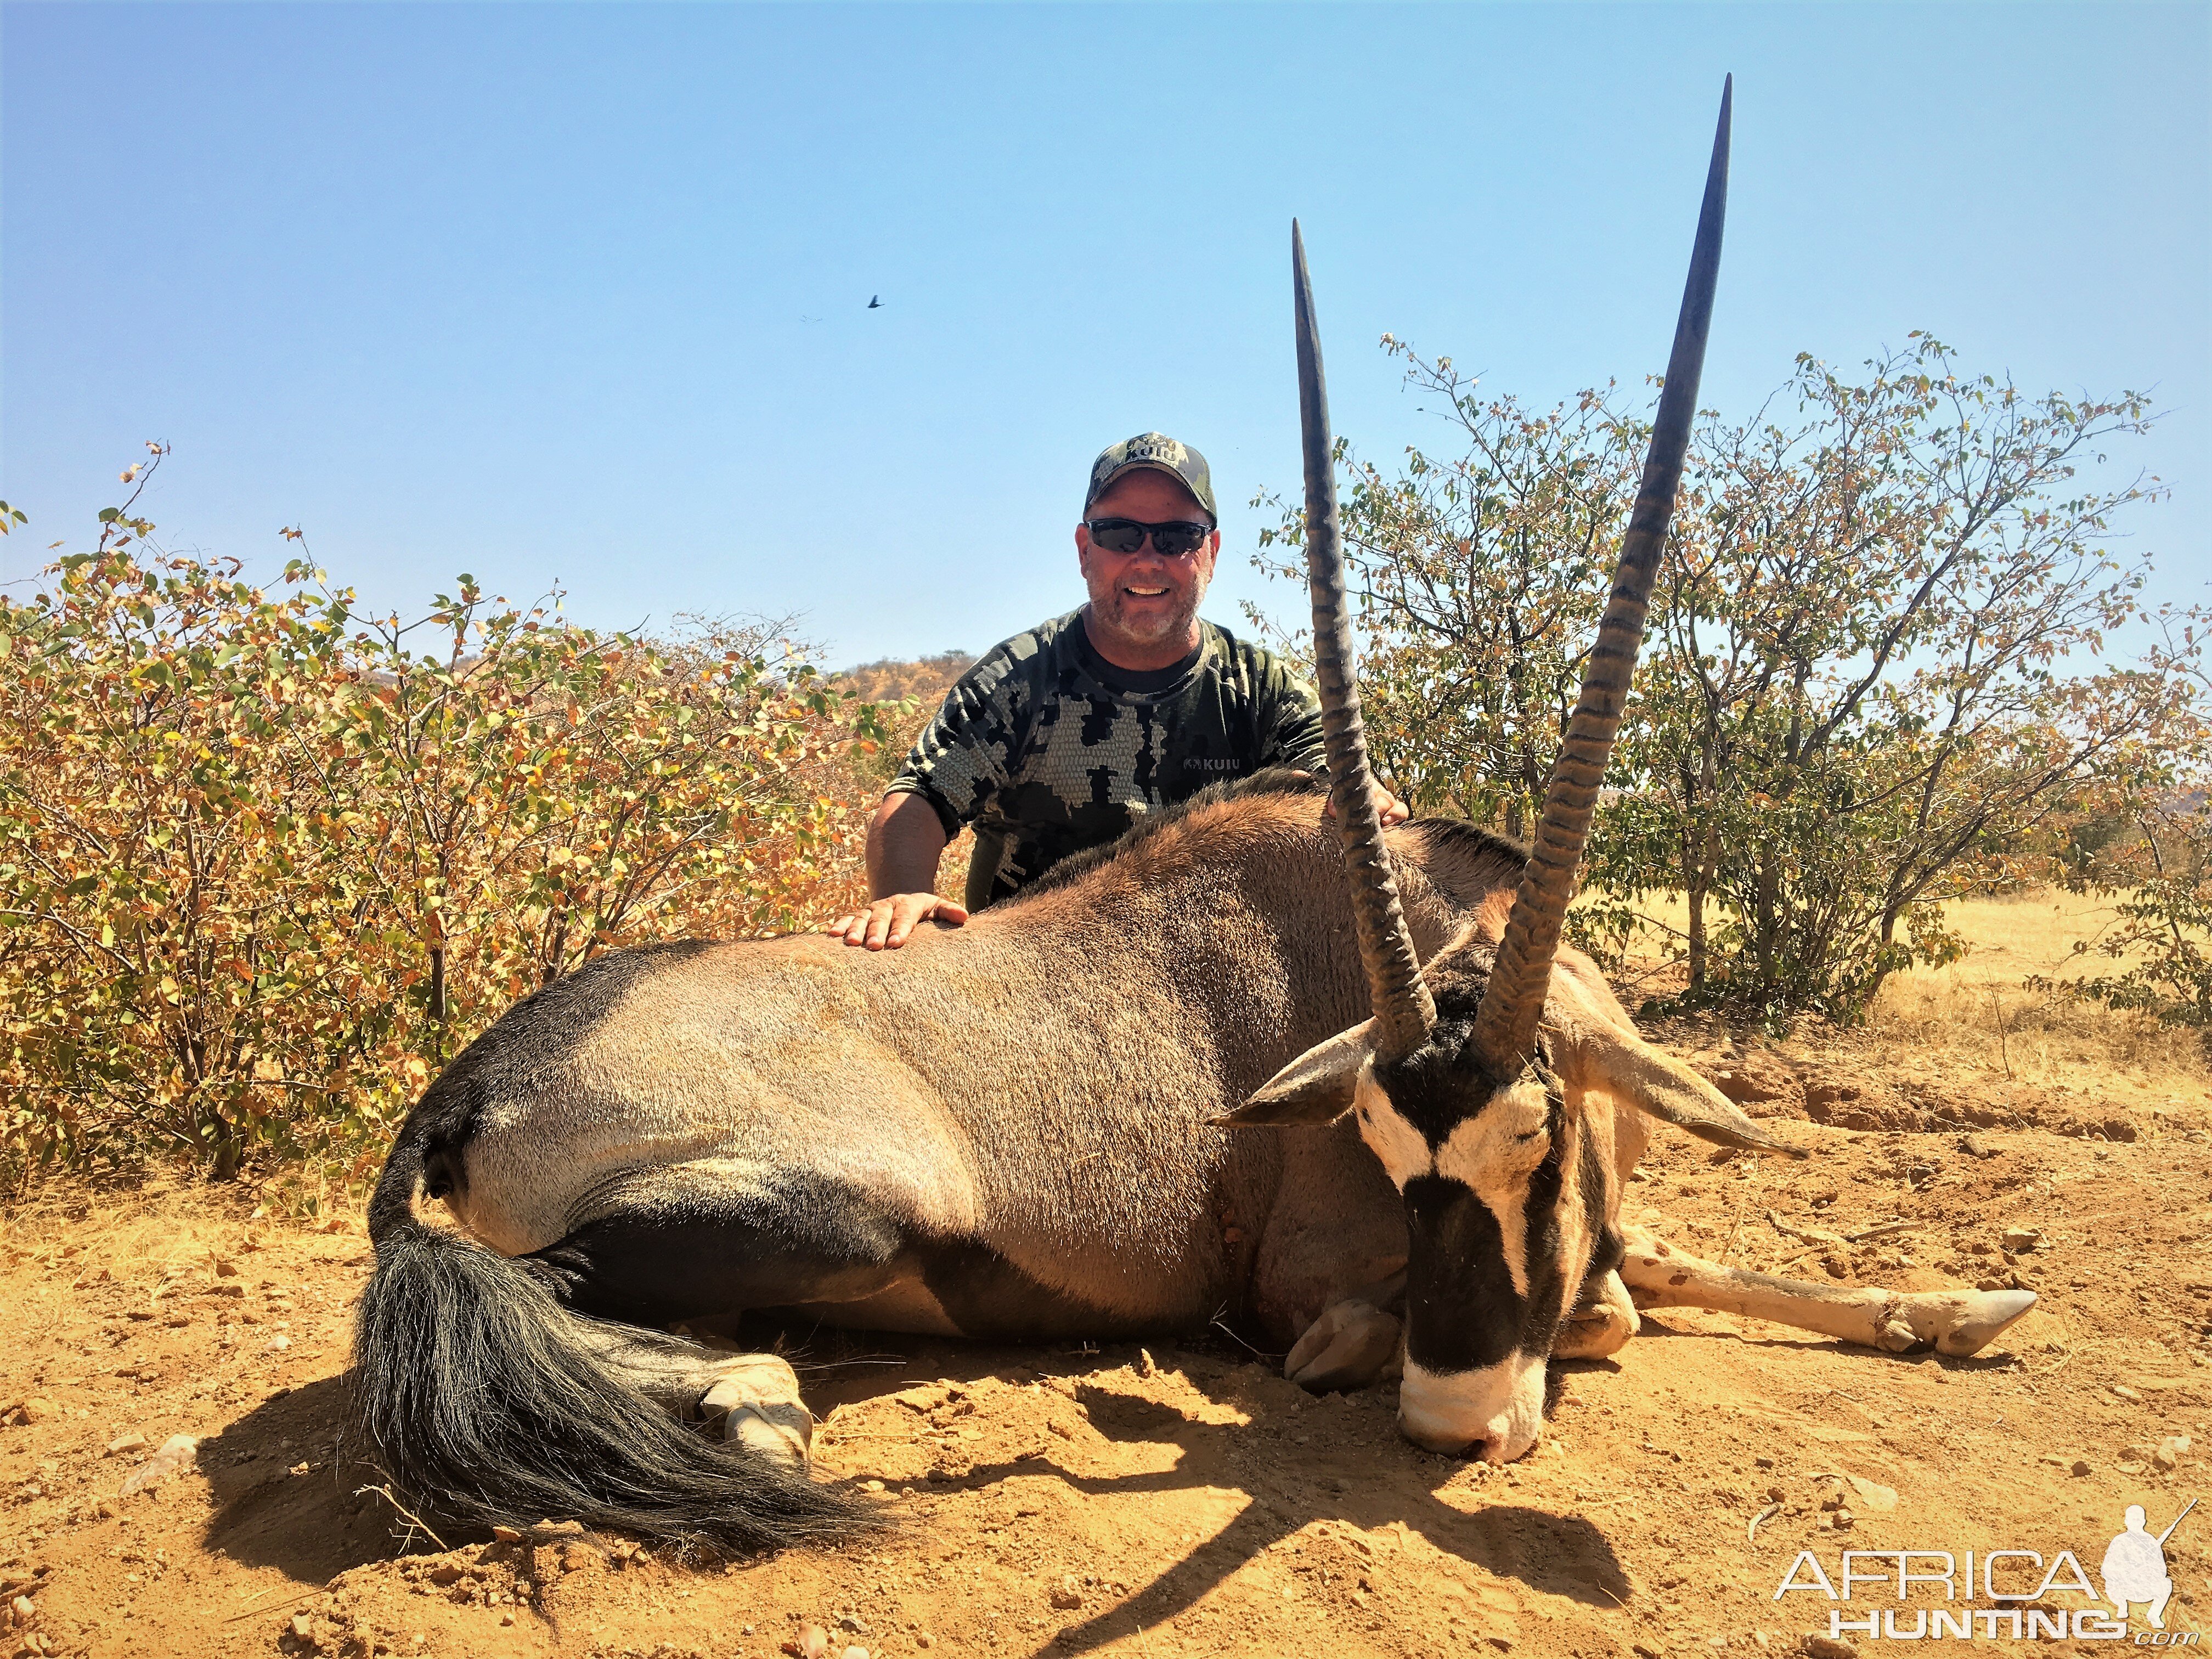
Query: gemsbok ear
x=1635, y=1071
x=1314, y=1089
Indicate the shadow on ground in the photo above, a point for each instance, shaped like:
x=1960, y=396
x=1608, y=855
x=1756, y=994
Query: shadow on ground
x=311, y=1526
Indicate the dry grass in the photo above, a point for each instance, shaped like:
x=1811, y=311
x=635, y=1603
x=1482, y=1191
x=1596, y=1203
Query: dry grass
x=163, y=1232
x=1978, y=1014
x=1980, y=1009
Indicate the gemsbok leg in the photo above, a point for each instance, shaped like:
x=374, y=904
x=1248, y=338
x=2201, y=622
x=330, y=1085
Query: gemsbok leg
x=1957, y=1322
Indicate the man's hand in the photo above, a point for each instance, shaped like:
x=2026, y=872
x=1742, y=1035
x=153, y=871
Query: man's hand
x=885, y=925
x=1387, y=806
x=905, y=840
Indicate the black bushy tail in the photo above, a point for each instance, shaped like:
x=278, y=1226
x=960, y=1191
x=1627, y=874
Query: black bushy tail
x=485, y=1398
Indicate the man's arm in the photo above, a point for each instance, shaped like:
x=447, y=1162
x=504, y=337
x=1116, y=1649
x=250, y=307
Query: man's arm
x=954, y=768
x=905, y=839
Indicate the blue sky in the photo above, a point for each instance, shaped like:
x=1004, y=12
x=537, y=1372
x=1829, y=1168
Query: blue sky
x=578, y=293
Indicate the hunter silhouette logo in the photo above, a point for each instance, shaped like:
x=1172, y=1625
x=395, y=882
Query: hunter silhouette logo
x=2135, y=1565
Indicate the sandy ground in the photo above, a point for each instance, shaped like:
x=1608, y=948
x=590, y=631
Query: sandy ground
x=1187, y=1499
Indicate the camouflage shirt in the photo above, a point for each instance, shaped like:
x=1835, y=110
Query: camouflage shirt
x=1048, y=748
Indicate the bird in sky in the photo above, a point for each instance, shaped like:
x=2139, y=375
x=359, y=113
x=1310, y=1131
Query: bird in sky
x=874, y=300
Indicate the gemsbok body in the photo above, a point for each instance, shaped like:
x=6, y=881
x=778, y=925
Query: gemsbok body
x=1382, y=1123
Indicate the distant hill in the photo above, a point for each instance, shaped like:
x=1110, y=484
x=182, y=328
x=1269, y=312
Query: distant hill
x=925, y=679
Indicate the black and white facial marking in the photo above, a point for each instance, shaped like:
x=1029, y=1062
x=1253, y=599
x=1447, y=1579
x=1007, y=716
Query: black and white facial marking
x=1505, y=1211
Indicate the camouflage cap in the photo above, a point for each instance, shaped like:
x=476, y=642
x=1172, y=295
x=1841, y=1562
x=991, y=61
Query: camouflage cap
x=1161, y=454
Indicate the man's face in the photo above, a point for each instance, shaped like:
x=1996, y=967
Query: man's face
x=1145, y=599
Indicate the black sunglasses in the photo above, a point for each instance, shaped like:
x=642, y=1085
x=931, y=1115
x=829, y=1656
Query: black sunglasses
x=1170, y=540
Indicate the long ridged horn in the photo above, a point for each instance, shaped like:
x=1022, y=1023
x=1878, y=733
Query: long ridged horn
x=1506, y=1025
x=1405, y=1013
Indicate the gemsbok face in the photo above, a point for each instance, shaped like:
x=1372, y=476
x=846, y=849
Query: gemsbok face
x=1508, y=1195
x=1506, y=1215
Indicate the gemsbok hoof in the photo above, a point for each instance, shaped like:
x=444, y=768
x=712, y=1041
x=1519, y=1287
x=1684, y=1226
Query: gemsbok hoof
x=1966, y=1322
x=1600, y=1327
x=1351, y=1345
x=757, y=1397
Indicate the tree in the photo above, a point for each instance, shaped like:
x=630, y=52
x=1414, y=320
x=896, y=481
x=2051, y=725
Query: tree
x=1861, y=687
x=2160, y=876
x=1480, y=580
x=265, y=864
x=1858, y=696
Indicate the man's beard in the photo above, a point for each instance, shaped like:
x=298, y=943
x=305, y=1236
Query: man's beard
x=1158, y=626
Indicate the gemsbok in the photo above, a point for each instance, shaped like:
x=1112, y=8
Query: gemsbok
x=1384, y=1124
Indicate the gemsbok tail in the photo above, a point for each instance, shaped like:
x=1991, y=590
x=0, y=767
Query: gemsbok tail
x=484, y=1398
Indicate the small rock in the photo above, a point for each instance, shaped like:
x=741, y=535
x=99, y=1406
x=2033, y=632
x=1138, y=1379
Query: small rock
x=507, y=1619
x=225, y=1269
x=1763, y=1463
x=507, y=1535
x=177, y=1450
x=922, y=1638
x=2020, y=1240
x=811, y=1643
x=1144, y=1365
x=1830, y=1647
x=2081, y=1466
x=445, y=1573
x=303, y=1628
x=872, y=1486
x=2121, y=1392
x=2170, y=1450
x=39, y=1409
x=1845, y=1520
x=854, y=1653
x=1067, y=1595
x=128, y=1442
x=1873, y=1496
x=852, y=1626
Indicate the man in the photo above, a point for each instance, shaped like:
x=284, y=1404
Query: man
x=1061, y=738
